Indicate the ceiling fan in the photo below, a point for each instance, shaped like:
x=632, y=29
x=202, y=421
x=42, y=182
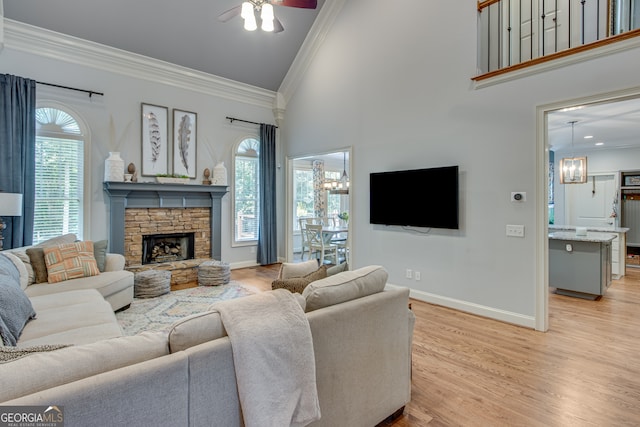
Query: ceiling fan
x=269, y=22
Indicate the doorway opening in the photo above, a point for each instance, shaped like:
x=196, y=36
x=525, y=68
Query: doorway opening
x=319, y=191
x=606, y=134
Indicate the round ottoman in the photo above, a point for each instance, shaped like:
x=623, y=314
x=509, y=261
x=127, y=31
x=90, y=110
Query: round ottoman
x=151, y=283
x=213, y=273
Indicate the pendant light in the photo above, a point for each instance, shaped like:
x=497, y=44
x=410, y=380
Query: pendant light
x=341, y=186
x=573, y=170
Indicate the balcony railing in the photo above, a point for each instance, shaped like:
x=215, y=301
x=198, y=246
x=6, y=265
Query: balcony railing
x=517, y=33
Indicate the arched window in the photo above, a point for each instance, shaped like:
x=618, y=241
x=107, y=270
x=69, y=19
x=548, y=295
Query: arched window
x=246, y=206
x=59, y=175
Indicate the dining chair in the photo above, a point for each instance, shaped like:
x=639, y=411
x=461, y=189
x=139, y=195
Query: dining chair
x=317, y=243
x=304, y=242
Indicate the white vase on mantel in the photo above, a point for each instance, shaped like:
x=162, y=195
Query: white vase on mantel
x=219, y=175
x=114, y=167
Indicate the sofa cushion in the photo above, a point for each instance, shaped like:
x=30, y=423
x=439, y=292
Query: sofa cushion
x=41, y=371
x=297, y=284
x=15, y=307
x=202, y=327
x=70, y=261
x=75, y=317
x=58, y=240
x=299, y=269
x=344, y=287
x=108, y=283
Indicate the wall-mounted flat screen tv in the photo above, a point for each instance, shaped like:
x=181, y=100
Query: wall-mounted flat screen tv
x=417, y=197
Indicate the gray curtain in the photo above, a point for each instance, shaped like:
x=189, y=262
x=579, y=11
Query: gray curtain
x=17, y=154
x=267, y=233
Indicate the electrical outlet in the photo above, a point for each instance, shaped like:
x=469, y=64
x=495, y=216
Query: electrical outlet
x=253, y=249
x=409, y=273
x=515, y=230
x=416, y=275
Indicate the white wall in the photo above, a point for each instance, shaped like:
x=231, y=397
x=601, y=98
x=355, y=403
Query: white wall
x=393, y=80
x=598, y=162
x=114, y=119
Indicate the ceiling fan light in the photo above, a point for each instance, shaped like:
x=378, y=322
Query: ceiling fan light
x=247, y=10
x=267, y=12
x=267, y=26
x=250, y=24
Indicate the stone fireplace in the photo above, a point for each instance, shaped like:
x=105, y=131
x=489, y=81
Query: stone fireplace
x=173, y=214
x=168, y=225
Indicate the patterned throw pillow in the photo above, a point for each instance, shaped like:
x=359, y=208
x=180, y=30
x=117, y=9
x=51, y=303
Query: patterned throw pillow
x=297, y=284
x=70, y=261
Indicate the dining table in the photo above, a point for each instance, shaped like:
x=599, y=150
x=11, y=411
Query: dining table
x=334, y=234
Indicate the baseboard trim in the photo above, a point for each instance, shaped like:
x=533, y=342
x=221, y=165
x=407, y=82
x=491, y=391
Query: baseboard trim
x=472, y=308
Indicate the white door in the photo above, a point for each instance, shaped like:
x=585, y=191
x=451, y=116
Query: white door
x=591, y=204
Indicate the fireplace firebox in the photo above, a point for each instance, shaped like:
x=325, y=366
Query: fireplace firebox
x=159, y=248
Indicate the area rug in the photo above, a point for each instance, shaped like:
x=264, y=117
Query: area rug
x=159, y=313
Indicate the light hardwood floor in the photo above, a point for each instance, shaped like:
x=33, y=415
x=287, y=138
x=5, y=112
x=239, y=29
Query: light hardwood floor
x=472, y=371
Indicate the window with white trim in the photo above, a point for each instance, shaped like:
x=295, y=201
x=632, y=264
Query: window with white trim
x=59, y=175
x=246, y=198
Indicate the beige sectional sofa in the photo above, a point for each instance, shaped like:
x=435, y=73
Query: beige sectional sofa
x=114, y=283
x=361, y=333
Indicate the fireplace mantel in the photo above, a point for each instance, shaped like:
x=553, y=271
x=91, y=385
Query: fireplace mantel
x=123, y=195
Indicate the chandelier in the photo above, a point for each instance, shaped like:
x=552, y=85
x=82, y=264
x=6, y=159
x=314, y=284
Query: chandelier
x=573, y=170
x=340, y=186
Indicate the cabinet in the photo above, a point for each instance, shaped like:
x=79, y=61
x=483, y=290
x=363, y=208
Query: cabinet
x=630, y=210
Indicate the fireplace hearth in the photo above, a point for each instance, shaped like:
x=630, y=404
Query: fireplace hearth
x=159, y=248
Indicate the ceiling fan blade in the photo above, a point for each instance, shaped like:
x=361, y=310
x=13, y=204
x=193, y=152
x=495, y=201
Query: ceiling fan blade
x=231, y=13
x=305, y=4
x=277, y=25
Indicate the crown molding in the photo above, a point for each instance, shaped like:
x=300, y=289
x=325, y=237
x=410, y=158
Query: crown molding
x=42, y=42
x=310, y=46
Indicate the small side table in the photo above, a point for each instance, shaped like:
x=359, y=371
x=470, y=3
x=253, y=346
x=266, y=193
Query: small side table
x=151, y=283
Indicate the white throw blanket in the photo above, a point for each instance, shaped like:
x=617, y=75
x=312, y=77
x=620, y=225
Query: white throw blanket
x=274, y=360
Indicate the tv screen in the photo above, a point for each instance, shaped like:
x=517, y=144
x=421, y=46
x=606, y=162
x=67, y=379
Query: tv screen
x=418, y=197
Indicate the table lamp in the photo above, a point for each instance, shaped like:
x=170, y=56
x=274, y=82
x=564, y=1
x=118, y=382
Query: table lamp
x=10, y=205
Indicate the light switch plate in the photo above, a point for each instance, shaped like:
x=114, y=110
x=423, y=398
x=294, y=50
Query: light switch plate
x=515, y=230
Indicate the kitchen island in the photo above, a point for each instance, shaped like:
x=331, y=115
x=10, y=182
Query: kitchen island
x=618, y=245
x=580, y=265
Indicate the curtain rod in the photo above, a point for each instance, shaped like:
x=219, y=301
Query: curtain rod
x=233, y=119
x=90, y=92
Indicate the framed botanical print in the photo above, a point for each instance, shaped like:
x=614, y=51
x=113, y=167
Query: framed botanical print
x=184, y=143
x=154, y=135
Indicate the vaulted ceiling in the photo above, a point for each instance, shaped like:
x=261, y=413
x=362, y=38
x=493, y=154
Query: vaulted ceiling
x=185, y=32
x=188, y=33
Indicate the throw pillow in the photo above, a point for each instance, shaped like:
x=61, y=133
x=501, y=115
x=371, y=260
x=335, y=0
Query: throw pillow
x=297, y=284
x=337, y=269
x=36, y=257
x=70, y=261
x=8, y=354
x=345, y=286
x=22, y=256
x=22, y=269
x=15, y=307
x=299, y=269
x=100, y=253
